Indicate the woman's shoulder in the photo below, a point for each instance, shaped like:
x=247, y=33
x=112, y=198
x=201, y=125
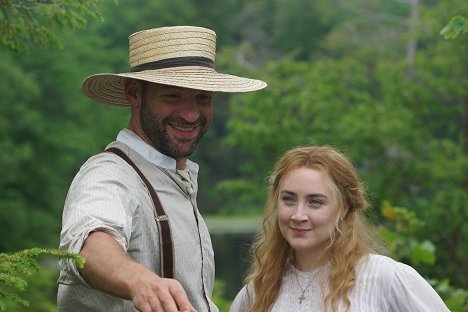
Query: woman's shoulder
x=383, y=268
x=380, y=259
x=243, y=300
x=387, y=270
x=375, y=261
x=399, y=284
x=385, y=263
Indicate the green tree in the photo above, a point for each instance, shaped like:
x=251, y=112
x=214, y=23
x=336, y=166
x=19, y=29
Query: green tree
x=22, y=21
x=336, y=76
x=406, y=133
x=16, y=267
x=398, y=232
x=35, y=95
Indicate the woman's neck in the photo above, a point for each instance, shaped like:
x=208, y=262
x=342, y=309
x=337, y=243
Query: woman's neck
x=305, y=262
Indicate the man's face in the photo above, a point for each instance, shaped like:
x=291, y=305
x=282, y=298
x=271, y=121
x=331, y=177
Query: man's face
x=174, y=119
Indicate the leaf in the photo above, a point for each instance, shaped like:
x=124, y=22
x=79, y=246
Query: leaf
x=423, y=253
x=26, y=21
x=14, y=267
x=456, y=25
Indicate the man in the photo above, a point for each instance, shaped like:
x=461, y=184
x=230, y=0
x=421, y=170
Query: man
x=147, y=251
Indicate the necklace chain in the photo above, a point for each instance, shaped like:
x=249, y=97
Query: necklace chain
x=303, y=290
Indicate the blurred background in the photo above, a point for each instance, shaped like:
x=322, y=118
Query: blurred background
x=373, y=78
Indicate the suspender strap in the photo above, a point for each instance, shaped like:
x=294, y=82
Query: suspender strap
x=165, y=237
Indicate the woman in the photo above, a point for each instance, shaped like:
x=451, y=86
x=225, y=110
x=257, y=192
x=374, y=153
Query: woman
x=315, y=252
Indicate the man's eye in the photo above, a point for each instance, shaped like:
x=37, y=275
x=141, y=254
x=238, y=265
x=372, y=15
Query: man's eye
x=205, y=97
x=172, y=95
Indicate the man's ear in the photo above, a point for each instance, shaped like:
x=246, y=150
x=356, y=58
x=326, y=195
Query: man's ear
x=133, y=92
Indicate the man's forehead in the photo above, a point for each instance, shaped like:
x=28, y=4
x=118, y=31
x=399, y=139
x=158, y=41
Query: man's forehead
x=169, y=87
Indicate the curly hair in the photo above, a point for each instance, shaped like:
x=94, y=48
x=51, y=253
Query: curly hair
x=349, y=242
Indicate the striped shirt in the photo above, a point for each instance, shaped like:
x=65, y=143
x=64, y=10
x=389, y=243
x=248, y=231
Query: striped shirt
x=108, y=195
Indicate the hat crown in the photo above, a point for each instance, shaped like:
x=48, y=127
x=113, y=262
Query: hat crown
x=171, y=42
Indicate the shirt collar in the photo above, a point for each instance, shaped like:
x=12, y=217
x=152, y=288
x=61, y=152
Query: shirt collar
x=149, y=153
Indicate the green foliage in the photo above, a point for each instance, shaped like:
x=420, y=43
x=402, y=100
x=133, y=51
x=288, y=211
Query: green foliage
x=219, y=296
x=397, y=231
x=15, y=267
x=329, y=101
x=293, y=16
x=42, y=130
x=336, y=75
x=455, y=298
x=406, y=135
x=49, y=129
x=22, y=21
x=41, y=292
x=457, y=25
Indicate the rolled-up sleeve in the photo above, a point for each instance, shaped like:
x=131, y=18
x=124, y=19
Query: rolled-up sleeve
x=98, y=200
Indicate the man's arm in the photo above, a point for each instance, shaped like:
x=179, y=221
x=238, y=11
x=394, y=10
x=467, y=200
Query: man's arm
x=110, y=269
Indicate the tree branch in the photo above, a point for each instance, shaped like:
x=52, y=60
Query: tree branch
x=370, y=15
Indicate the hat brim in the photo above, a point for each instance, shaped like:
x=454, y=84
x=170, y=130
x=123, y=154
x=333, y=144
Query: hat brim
x=110, y=88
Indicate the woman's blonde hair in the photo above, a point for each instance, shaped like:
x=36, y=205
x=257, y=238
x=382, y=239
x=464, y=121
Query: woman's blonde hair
x=349, y=242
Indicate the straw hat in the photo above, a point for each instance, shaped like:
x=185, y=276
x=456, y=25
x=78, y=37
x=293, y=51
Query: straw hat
x=180, y=56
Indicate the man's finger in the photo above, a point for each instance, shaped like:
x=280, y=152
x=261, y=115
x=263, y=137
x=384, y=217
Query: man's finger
x=145, y=307
x=157, y=305
x=167, y=303
x=180, y=298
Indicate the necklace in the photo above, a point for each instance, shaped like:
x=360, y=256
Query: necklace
x=303, y=290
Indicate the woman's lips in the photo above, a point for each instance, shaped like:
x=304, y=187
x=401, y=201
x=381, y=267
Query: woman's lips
x=300, y=231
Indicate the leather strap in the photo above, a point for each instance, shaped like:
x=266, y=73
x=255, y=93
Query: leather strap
x=165, y=237
x=175, y=62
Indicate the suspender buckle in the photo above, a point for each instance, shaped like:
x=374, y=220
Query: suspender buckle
x=162, y=218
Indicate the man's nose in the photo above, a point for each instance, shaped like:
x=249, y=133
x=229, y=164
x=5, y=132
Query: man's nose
x=190, y=111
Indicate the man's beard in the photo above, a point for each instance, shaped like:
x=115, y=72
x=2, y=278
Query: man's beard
x=154, y=128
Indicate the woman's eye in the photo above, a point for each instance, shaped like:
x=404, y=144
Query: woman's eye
x=315, y=202
x=287, y=199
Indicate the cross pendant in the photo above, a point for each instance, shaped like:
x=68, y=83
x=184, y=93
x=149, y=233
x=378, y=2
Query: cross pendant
x=301, y=298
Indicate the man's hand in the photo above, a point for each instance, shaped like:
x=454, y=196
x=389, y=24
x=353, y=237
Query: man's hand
x=110, y=269
x=159, y=294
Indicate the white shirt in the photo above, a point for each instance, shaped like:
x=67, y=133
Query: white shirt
x=108, y=195
x=382, y=285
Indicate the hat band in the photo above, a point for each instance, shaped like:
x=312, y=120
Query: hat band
x=175, y=62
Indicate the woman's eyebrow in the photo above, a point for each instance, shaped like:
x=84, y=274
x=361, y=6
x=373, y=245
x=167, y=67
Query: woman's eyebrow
x=317, y=195
x=286, y=192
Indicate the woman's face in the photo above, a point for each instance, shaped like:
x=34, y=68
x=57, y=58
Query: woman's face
x=307, y=211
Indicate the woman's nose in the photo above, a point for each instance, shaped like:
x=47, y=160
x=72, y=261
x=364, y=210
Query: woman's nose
x=299, y=214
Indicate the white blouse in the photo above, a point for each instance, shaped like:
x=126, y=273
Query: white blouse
x=382, y=285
